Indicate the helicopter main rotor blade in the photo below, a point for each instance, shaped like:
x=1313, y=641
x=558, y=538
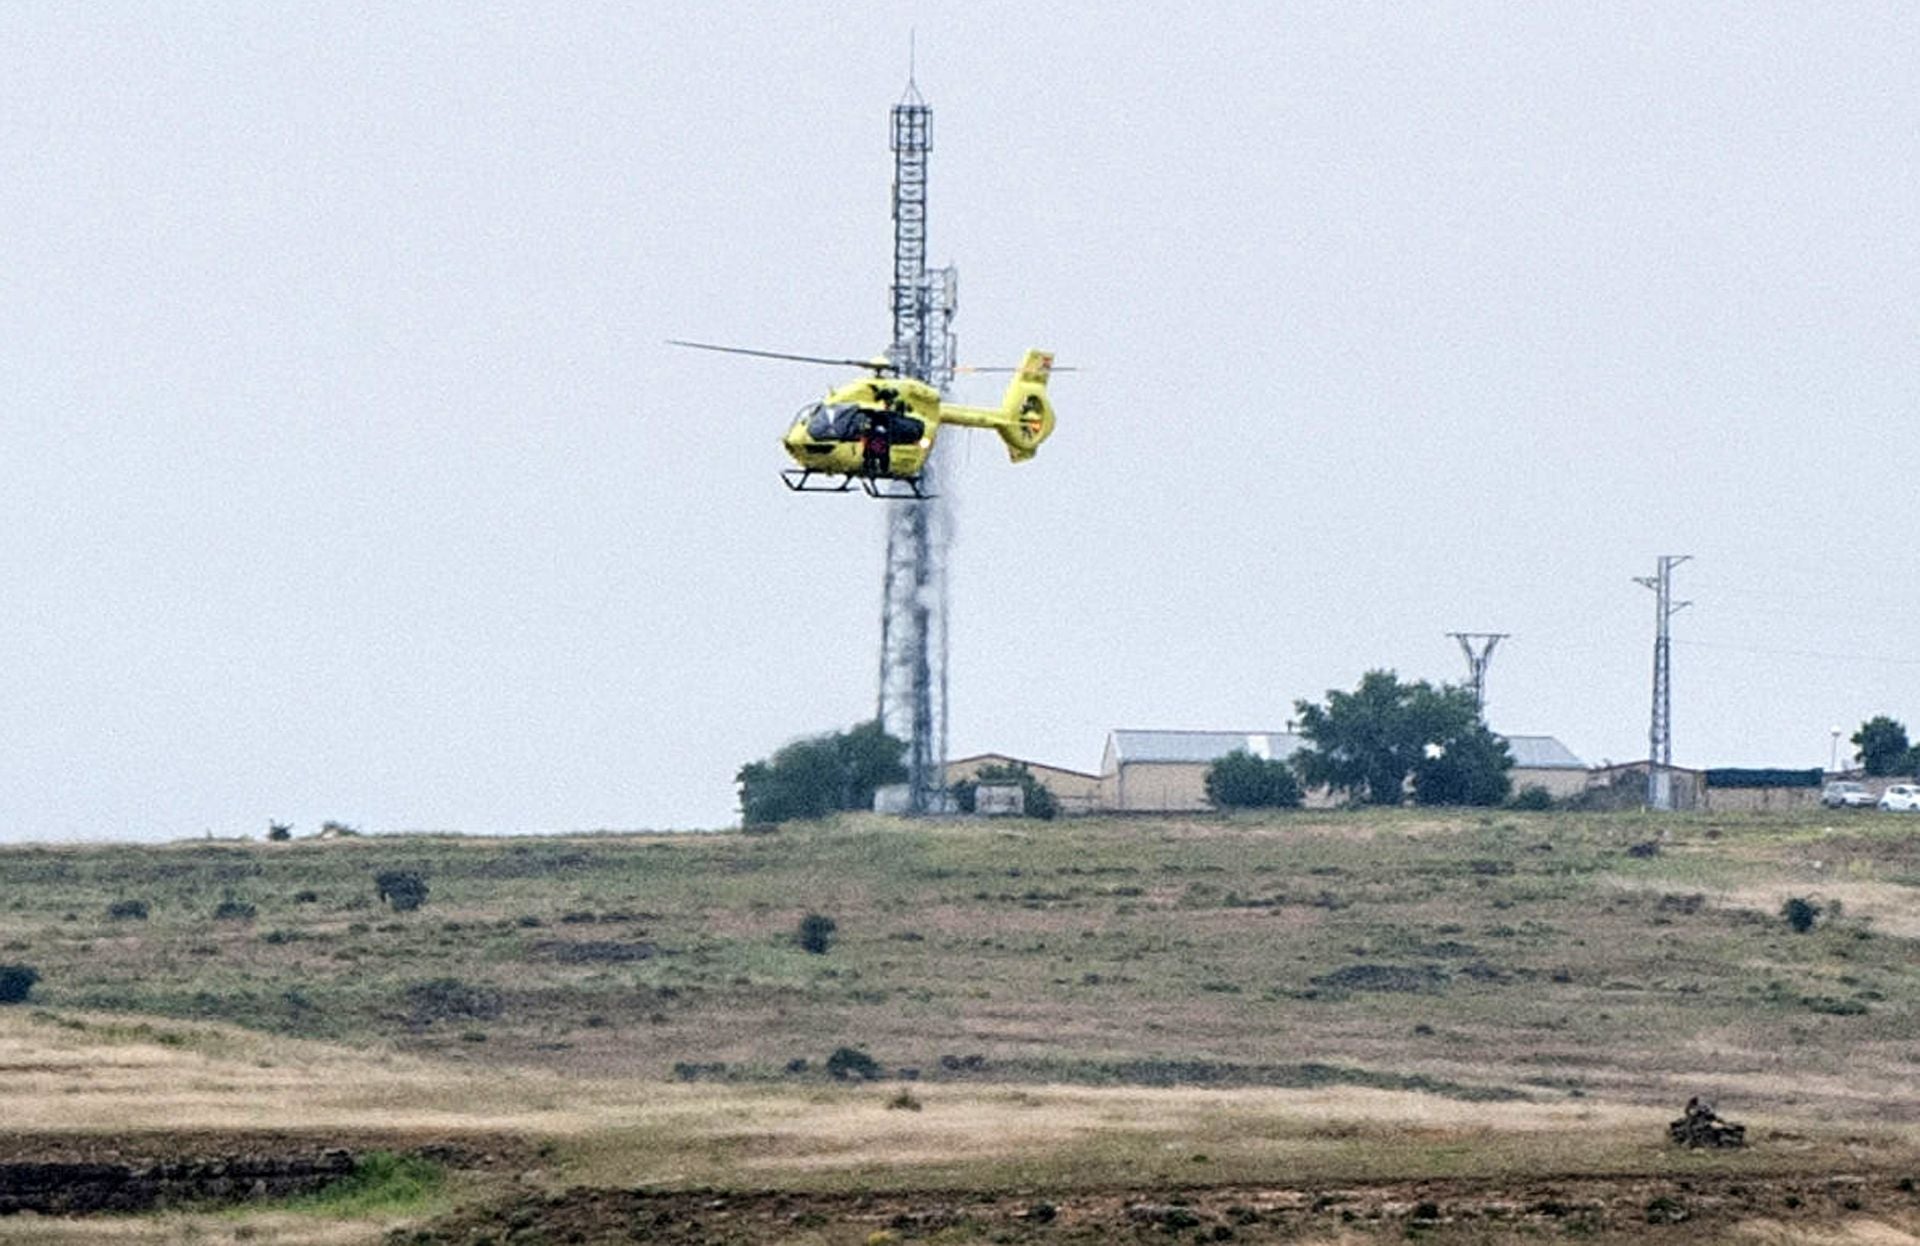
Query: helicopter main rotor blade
x=771, y=354
x=974, y=369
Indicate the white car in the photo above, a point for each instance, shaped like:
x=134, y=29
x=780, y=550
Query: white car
x=1905, y=796
x=1841, y=794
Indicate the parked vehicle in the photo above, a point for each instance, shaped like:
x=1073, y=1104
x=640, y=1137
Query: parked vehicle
x=1842, y=794
x=1902, y=796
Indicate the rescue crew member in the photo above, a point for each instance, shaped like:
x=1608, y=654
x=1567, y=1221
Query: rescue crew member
x=874, y=450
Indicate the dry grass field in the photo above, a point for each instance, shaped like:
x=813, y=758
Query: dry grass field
x=1312, y=1027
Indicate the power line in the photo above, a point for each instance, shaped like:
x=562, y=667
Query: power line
x=1800, y=653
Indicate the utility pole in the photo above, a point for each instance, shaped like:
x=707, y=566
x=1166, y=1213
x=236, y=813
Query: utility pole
x=1660, y=733
x=1478, y=646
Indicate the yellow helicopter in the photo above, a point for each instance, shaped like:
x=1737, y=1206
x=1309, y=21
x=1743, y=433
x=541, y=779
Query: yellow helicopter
x=878, y=432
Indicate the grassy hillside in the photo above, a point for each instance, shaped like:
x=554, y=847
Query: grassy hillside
x=1084, y=1005
x=1487, y=955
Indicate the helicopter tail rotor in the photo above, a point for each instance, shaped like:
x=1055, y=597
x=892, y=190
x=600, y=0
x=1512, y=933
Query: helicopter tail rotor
x=1029, y=414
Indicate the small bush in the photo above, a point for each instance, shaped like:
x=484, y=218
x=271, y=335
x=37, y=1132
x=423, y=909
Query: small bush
x=381, y=1183
x=904, y=1102
x=233, y=909
x=332, y=828
x=279, y=832
x=405, y=890
x=1665, y=1209
x=1533, y=798
x=816, y=933
x=444, y=999
x=127, y=910
x=848, y=1064
x=1800, y=913
x=306, y=897
x=16, y=981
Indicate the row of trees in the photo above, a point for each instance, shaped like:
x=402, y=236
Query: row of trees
x=1373, y=745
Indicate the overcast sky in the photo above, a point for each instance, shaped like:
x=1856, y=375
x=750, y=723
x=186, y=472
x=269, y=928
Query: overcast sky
x=347, y=475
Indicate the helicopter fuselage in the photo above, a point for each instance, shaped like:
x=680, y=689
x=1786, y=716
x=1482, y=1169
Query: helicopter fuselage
x=835, y=436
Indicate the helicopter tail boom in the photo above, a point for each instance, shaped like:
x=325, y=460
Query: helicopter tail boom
x=1024, y=418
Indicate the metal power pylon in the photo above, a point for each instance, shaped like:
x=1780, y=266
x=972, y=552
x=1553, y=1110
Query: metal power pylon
x=1478, y=646
x=913, y=618
x=1660, y=733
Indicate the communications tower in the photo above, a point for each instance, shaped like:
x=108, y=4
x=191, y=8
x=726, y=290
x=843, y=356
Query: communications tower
x=913, y=615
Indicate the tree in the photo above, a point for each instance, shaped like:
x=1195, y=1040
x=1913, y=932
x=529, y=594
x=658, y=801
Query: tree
x=813, y=777
x=1036, y=799
x=1369, y=742
x=1882, y=744
x=1470, y=769
x=1242, y=781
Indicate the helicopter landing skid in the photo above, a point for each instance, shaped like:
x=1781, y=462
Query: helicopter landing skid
x=803, y=480
x=912, y=492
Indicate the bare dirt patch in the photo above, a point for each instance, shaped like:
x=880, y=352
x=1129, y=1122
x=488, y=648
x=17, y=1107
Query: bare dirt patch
x=1694, y=1209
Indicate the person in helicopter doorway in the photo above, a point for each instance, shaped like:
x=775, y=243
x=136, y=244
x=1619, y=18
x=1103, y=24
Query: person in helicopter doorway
x=874, y=448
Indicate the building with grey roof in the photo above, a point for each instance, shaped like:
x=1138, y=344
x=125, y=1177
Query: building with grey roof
x=1166, y=771
x=1542, y=761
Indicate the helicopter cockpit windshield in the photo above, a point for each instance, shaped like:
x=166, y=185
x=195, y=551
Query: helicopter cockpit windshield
x=837, y=422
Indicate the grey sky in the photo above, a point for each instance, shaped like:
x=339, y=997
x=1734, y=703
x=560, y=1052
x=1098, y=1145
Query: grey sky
x=347, y=475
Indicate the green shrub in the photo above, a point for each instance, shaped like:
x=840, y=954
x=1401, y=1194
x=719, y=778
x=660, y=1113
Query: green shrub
x=279, y=832
x=405, y=890
x=1242, y=781
x=1532, y=797
x=16, y=981
x=848, y=1064
x=816, y=933
x=127, y=911
x=445, y=999
x=233, y=909
x=381, y=1183
x=1800, y=914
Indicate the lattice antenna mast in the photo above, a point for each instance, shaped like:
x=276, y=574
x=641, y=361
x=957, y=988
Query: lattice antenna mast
x=1478, y=646
x=1660, y=733
x=913, y=622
